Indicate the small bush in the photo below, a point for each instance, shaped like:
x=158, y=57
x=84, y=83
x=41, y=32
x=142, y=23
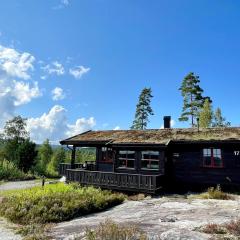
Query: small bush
x=55, y=203
x=9, y=171
x=233, y=227
x=212, y=228
x=228, y=230
x=110, y=230
x=137, y=197
x=214, y=193
x=34, y=232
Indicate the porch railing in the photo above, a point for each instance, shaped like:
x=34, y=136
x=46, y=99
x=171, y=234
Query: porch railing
x=64, y=166
x=118, y=181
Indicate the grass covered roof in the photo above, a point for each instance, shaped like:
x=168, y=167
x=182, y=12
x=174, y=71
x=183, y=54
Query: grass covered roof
x=154, y=136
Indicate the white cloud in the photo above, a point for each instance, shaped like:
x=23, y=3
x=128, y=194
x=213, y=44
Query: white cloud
x=65, y=2
x=54, y=126
x=24, y=93
x=117, y=128
x=81, y=125
x=14, y=92
x=16, y=64
x=78, y=71
x=54, y=68
x=62, y=4
x=58, y=94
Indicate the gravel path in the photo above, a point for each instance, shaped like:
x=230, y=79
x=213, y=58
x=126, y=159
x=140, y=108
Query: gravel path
x=161, y=218
x=19, y=185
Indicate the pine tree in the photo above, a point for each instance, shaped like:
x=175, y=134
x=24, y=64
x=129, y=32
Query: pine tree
x=192, y=98
x=219, y=120
x=206, y=115
x=143, y=110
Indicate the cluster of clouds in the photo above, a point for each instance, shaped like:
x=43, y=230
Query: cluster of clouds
x=57, y=68
x=17, y=88
x=54, y=125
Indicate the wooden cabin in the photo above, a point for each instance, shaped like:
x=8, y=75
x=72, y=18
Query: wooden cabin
x=146, y=160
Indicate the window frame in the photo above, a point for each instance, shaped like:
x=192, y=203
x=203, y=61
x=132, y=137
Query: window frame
x=213, y=162
x=127, y=159
x=106, y=151
x=149, y=160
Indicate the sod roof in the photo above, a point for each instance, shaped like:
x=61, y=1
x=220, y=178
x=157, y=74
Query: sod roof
x=154, y=136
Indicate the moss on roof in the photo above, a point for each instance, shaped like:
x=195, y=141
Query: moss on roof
x=156, y=136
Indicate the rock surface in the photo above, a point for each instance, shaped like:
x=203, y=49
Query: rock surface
x=161, y=218
x=7, y=232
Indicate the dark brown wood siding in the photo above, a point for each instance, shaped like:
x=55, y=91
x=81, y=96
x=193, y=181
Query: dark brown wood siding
x=188, y=166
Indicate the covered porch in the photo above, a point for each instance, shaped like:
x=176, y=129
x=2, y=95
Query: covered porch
x=111, y=180
x=119, y=165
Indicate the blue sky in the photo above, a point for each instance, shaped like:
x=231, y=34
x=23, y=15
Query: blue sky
x=86, y=61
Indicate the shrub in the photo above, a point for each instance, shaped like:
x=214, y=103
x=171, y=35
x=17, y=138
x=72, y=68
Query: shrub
x=55, y=203
x=214, y=193
x=9, y=171
x=233, y=227
x=212, y=228
x=110, y=230
x=217, y=193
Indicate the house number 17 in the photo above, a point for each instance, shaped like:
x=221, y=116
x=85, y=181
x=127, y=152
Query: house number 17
x=237, y=153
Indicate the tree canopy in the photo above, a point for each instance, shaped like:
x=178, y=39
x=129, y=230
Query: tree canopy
x=143, y=110
x=219, y=120
x=16, y=129
x=192, y=98
x=206, y=115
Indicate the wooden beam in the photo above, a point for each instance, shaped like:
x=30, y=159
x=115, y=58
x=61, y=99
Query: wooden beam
x=73, y=157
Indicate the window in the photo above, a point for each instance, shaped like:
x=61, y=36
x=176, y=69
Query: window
x=107, y=155
x=126, y=159
x=212, y=157
x=150, y=160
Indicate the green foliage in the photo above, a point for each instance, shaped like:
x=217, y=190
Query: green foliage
x=9, y=171
x=206, y=115
x=59, y=156
x=16, y=146
x=26, y=154
x=85, y=154
x=34, y=231
x=44, y=157
x=16, y=129
x=110, y=230
x=219, y=120
x=192, y=98
x=55, y=203
x=143, y=110
x=10, y=150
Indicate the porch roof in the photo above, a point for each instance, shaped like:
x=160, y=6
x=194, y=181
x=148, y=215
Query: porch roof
x=154, y=136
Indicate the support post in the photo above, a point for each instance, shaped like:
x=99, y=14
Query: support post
x=73, y=157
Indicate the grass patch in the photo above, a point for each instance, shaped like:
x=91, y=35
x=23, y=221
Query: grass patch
x=9, y=171
x=112, y=231
x=55, y=203
x=34, y=232
x=214, y=193
x=226, y=231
